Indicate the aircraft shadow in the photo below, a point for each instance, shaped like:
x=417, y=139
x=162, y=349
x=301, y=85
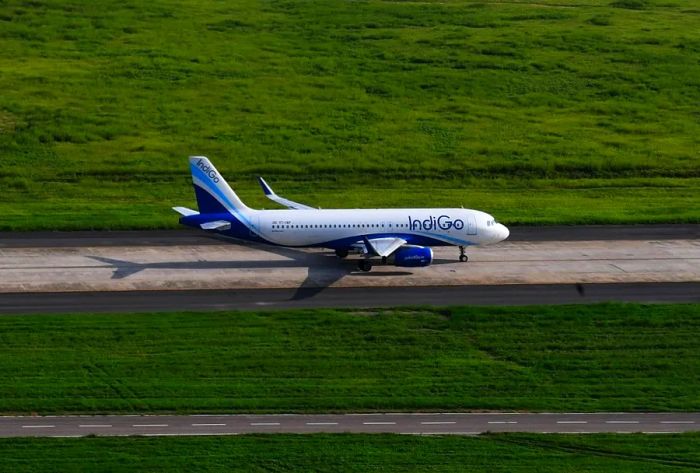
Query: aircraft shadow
x=324, y=269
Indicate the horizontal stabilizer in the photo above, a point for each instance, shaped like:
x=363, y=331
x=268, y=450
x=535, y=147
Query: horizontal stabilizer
x=185, y=212
x=383, y=246
x=270, y=194
x=216, y=225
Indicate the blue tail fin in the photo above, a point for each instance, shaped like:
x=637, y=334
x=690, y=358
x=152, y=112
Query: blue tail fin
x=214, y=195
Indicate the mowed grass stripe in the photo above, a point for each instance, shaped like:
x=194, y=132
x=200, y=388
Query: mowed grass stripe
x=358, y=453
x=540, y=112
x=609, y=357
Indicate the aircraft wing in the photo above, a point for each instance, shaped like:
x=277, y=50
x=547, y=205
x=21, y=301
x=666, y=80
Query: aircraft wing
x=383, y=246
x=270, y=194
x=216, y=225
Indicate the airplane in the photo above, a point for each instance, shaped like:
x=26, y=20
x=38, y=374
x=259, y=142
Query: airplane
x=400, y=237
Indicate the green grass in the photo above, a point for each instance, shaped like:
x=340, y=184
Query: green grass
x=357, y=453
x=539, y=112
x=572, y=358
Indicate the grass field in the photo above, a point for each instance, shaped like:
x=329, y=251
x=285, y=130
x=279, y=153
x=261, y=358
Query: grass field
x=357, y=453
x=571, y=358
x=539, y=112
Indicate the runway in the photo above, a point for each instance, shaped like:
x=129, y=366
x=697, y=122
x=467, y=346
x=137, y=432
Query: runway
x=168, y=270
x=234, y=266
x=398, y=423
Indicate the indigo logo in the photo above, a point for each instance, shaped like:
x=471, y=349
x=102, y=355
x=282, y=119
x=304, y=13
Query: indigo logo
x=443, y=222
x=208, y=171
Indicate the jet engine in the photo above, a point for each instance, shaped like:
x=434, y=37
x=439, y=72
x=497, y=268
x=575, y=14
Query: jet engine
x=412, y=256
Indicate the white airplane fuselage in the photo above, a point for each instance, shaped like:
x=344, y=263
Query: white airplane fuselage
x=405, y=235
x=430, y=227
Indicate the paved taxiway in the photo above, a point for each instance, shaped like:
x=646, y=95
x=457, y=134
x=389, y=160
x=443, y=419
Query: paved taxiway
x=400, y=423
x=256, y=299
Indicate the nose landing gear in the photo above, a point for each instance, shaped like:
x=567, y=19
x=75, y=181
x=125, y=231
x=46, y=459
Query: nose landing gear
x=462, y=257
x=341, y=253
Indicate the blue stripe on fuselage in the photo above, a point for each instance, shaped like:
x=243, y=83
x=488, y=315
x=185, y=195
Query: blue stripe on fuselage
x=411, y=239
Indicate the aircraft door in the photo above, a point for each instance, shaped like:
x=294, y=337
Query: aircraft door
x=471, y=224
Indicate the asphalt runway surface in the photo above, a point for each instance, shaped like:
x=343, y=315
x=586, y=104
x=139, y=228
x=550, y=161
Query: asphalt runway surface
x=257, y=299
x=398, y=423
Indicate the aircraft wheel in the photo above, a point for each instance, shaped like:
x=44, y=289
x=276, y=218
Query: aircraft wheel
x=463, y=258
x=340, y=253
x=364, y=265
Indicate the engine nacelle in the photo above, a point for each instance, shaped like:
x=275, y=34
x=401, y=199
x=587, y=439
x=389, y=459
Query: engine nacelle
x=413, y=256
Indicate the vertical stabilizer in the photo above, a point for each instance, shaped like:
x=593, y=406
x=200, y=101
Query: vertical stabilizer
x=213, y=193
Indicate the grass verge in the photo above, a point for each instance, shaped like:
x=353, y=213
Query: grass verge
x=536, y=111
x=358, y=453
x=610, y=357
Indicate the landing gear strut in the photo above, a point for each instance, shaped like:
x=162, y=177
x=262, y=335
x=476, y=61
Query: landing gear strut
x=341, y=253
x=364, y=265
x=462, y=256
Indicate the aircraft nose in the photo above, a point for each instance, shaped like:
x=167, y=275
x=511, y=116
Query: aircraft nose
x=503, y=232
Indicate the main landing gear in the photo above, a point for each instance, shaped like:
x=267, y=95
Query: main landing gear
x=462, y=257
x=341, y=253
x=364, y=265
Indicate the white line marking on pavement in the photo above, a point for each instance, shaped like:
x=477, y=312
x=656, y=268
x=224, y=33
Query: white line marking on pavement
x=149, y=425
x=437, y=422
x=622, y=422
x=503, y=422
x=43, y=426
x=208, y=425
x=572, y=422
x=677, y=422
x=379, y=423
x=188, y=434
x=90, y=426
x=659, y=432
x=264, y=423
x=448, y=433
x=321, y=423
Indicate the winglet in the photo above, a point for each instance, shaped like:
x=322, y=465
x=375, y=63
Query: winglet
x=270, y=194
x=266, y=189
